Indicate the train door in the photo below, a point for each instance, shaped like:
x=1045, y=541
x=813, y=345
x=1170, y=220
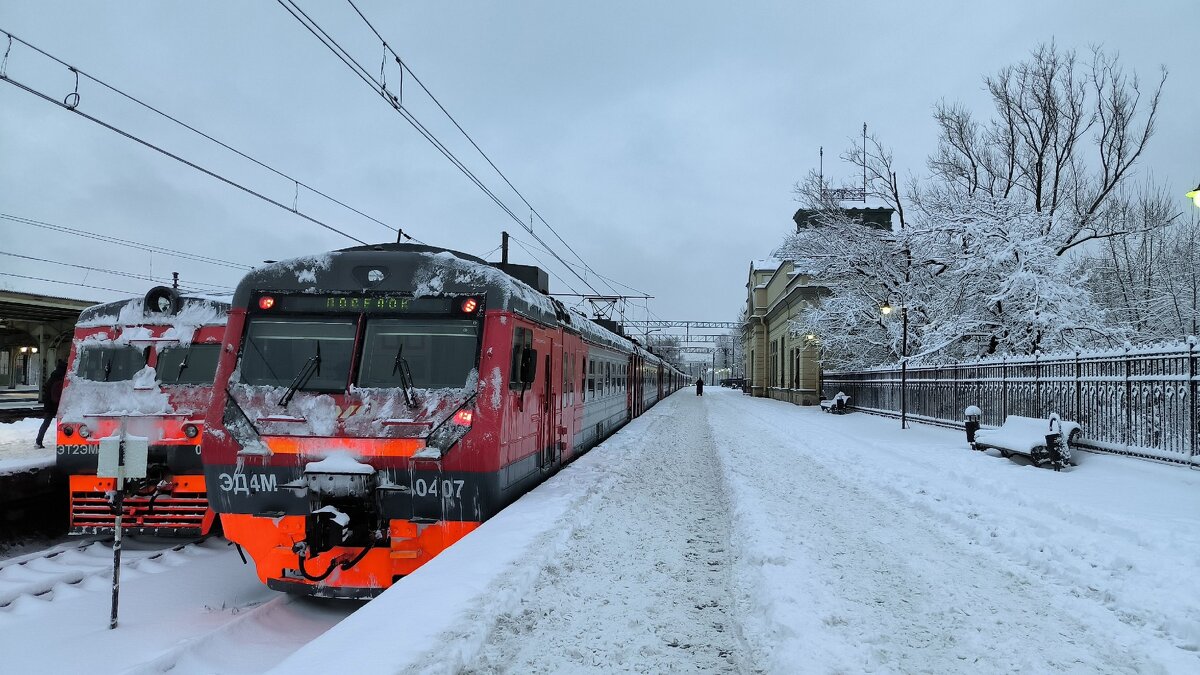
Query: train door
x=551, y=419
x=629, y=409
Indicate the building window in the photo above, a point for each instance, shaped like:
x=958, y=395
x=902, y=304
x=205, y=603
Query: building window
x=773, y=372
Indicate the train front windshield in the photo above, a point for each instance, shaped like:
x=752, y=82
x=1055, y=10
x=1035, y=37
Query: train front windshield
x=109, y=363
x=440, y=353
x=316, y=354
x=318, y=351
x=191, y=364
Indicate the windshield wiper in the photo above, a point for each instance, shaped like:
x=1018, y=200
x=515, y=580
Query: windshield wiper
x=311, y=367
x=107, y=369
x=400, y=365
x=183, y=364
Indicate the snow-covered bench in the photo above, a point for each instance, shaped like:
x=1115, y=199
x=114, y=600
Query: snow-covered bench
x=1027, y=436
x=836, y=405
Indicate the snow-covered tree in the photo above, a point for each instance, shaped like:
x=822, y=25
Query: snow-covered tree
x=1151, y=279
x=1062, y=138
x=1001, y=285
x=977, y=257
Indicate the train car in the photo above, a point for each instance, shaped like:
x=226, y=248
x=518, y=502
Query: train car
x=142, y=367
x=375, y=404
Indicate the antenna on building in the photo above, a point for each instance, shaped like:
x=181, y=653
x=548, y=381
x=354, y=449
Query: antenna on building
x=864, y=163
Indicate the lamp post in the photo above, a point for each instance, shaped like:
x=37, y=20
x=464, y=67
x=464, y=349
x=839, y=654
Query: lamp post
x=25, y=365
x=887, y=309
x=1194, y=195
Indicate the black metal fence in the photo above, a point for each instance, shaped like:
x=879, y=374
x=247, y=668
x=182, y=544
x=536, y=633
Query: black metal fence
x=1137, y=401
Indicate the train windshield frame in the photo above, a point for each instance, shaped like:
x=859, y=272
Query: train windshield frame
x=109, y=362
x=194, y=364
x=277, y=349
x=440, y=353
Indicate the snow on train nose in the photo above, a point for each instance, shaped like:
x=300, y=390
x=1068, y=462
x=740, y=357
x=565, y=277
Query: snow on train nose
x=338, y=486
x=340, y=476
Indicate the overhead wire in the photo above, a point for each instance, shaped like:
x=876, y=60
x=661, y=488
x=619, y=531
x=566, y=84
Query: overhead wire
x=193, y=129
x=552, y=272
x=189, y=286
x=67, y=283
x=362, y=73
x=125, y=242
x=403, y=67
x=631, y=288
x=75, y=109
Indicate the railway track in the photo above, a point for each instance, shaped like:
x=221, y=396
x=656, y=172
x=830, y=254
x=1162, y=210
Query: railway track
x=185, y=607
x=35, y=575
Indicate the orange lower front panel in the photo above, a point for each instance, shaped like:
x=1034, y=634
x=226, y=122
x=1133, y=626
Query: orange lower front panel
x=270, y=541
x=181, y=511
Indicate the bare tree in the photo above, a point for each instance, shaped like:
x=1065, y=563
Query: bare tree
x=1064, y=137
x=1150, y=279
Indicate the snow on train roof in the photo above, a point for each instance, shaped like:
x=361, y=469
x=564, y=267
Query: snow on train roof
x=195, y=310
x=422, y=271
x=403, y=268
x=597, y=333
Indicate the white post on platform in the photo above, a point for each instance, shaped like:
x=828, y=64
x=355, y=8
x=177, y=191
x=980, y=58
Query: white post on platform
x=121, y=456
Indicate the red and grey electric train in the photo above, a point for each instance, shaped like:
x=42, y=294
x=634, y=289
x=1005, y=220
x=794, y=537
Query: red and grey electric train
x=374, y=405
x=144, y=367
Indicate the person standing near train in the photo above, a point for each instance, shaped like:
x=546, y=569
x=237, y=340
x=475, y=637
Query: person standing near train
x=51, y=393
x=699, y=386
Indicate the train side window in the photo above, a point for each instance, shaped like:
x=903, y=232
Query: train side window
x=591, y=380
x=522, y=342
x=566, y=378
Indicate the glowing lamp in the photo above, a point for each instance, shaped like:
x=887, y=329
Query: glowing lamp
x=463, y=418
x=886, y=308
x=266, y=302
x=470, y=305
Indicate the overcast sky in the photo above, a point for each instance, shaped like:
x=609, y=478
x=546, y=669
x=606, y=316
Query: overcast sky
x=660, y=139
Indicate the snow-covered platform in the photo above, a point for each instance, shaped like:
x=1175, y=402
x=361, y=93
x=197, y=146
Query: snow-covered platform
x=17, y=450
x=720, y=533
x=730, y=534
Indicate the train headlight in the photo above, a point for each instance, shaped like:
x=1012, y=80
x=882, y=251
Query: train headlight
x=84, y=432
x=190, y=430
x=68, y=430
x=451, y=431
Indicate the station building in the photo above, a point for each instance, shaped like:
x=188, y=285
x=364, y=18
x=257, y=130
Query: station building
x=35, y=331
x=780, y=362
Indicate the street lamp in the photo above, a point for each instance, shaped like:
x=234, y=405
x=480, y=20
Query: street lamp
x=1194, y=195
x=885, y=310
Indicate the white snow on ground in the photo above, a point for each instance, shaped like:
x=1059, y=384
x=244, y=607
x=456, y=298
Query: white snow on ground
x=193, y=610
x=852, y=547
x=714, y=534
x=17, y=451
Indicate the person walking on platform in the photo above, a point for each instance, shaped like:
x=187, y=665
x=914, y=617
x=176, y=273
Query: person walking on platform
x=51, y=393
x=699, y=386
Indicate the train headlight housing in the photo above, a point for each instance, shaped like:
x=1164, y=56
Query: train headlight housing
x=68, y=430
x=190, y=430
x=450, y=432
x=84, y=432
